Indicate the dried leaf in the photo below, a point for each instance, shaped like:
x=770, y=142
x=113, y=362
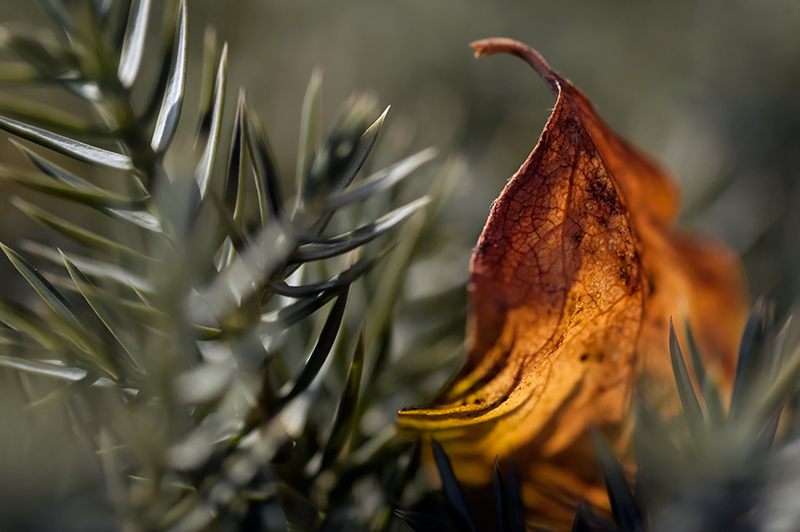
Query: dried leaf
x=573, y=282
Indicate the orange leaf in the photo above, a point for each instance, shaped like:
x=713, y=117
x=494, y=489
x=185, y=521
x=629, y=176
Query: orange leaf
x=573, y=282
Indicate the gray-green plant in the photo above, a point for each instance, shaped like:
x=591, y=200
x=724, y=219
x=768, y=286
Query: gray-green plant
x=204, y=345
x=197, y=349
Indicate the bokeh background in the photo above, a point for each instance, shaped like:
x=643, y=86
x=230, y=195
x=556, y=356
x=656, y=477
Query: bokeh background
x=708, y=86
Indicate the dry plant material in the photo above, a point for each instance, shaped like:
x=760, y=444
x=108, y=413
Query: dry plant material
x=573, y=282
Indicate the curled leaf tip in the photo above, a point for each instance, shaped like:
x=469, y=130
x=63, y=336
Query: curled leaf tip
x=497, y=45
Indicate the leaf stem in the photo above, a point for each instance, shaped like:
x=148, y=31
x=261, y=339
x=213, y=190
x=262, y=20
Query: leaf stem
x=523, y=51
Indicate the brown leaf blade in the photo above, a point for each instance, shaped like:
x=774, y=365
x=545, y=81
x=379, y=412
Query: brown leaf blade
x=573, y=281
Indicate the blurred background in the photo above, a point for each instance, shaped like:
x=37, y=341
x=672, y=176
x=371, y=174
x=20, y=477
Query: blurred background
x=707, y=86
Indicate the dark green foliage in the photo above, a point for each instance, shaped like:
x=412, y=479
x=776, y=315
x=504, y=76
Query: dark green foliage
x=453, y=513
x=710, y=470
x=452, y=489
x=702, y=470
x=626, y=512
x=178, y=325
x=508, y=499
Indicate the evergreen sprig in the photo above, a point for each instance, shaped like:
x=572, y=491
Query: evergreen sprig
x=179, y=293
